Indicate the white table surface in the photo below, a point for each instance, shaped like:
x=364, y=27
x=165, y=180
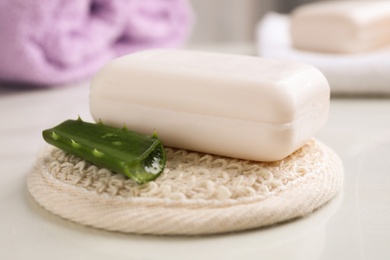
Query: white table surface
x=356, y=225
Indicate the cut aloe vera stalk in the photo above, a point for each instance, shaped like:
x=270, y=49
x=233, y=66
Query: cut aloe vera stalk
x=137, y=156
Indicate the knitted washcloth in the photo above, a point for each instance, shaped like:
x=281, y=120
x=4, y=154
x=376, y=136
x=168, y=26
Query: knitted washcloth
x=197, y=193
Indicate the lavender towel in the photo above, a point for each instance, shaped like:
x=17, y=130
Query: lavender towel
x=50, y=42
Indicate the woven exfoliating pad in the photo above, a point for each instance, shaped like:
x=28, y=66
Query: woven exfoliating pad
x=197, y=193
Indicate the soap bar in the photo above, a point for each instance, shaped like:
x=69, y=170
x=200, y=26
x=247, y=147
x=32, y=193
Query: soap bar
x=341, y=26
x=237, y=106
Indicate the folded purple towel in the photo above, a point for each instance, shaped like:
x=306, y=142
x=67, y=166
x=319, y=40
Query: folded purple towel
x=51, y=42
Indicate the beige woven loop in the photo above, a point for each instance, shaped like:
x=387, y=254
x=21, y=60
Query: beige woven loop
x=196, y=194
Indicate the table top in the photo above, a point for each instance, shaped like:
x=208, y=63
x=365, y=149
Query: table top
x=355, y=225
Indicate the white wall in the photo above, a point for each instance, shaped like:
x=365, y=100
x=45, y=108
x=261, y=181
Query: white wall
x=233, y=21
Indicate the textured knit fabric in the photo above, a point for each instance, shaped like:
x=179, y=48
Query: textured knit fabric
x=49, y=42
x=196, y=194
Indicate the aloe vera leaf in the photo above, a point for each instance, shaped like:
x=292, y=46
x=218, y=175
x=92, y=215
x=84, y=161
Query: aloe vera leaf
x=137, y=156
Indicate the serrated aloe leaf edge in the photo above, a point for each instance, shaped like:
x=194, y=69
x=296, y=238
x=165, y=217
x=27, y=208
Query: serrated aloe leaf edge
x=137, y=156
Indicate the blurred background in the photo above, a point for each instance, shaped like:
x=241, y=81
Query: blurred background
x=57, y=42
x=261, y=27
x=232, y=21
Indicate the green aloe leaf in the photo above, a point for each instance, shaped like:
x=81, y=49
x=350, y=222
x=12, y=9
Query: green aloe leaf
x=137, y=156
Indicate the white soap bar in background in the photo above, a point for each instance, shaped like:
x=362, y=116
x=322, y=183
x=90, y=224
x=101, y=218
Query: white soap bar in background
x=341, y=26
x=237, y=106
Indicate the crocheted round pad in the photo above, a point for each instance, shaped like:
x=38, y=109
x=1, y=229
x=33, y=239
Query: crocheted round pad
x=197, y=193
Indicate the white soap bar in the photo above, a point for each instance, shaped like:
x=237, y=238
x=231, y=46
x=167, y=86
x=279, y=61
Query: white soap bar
x=237, y=106
x=341, y=26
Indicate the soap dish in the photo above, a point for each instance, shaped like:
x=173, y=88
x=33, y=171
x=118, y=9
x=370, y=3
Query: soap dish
x=196, y=194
